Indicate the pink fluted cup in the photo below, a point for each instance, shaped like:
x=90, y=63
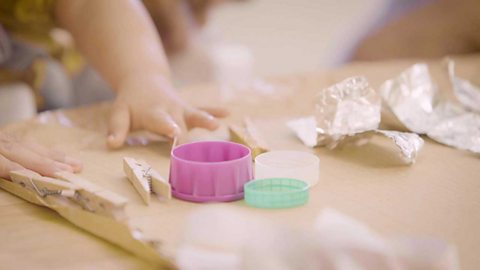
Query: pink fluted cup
x=210, y=171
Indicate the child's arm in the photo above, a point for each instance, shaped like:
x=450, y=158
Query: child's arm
x=119, y=39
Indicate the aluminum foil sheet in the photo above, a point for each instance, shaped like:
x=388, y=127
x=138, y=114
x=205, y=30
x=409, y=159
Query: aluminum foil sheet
x=345, y=109
x=414, y=99
x=462, y=132
x=349, y=113
x=409, y=144
x=410, y=97
x=467, y=93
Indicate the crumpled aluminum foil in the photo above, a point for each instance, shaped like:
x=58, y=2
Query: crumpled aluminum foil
x=349, y=112
x=409, y=144
x=345, y=109
x=414, y=100
x=410, y=98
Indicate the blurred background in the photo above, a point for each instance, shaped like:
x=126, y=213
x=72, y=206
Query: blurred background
x=231, y=42
x=286, y=36
x=272, y=37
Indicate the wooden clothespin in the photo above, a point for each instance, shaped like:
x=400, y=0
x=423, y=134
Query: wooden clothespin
x=247, y=134
x=145, y=179
x=43, y=186
x=95, y=198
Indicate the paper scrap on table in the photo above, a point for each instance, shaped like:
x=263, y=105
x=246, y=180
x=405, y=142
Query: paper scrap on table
x=350, y=111
x=222, y=238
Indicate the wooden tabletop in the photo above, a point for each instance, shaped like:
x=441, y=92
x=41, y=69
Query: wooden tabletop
x=438, y=196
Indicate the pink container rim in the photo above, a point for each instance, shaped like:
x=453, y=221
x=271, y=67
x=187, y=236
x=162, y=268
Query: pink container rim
x=210, y=171
x=180, y=147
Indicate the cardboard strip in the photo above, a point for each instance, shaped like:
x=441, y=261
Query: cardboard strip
x=96, y=198
x=115, y=232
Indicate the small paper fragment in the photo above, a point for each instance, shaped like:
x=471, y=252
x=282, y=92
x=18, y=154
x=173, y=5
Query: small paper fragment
x=305, y=129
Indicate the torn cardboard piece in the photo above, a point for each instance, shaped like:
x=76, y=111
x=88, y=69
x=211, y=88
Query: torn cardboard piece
x=113, y=231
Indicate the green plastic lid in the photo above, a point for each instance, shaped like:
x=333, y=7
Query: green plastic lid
x=276, y=192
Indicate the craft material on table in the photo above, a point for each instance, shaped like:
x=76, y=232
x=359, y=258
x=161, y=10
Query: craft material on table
x=276, y=192
x=465, y=91
x=210, y=171
x=288, y=164
x=438, y=197
x=247, y=134
x=349, y=112
x=95, y=198
x=145, y=179
x=72, y=201
x=415, y=100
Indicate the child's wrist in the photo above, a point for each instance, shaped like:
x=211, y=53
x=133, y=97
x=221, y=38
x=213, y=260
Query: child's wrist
x=143, y=77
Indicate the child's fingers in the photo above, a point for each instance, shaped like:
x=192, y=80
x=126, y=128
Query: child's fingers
x=59, y=156
x=119, y=125
x=6, y=166
x=218, y=112
x=160, y=122
x=178, y=117
x=202, y=119
x=16, y=152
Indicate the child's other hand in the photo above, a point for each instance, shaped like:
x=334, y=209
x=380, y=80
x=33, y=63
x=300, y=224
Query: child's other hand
x=16, y=154
x=149, y=102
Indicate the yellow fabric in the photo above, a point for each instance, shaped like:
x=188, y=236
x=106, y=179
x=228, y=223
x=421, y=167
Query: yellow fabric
x=33, y=21
x=32, y=18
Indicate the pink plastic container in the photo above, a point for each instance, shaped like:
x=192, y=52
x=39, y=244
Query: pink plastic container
x=210, y=171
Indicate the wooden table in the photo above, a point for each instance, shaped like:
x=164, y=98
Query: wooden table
x=439, y=196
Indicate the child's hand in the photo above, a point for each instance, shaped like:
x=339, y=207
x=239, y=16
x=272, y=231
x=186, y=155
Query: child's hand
x=149, y=102
x=119, y=39
x=17, y=155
